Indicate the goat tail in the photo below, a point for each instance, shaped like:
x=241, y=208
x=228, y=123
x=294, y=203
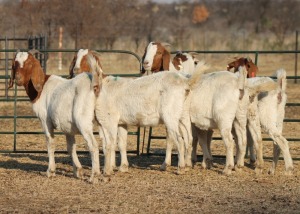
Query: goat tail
x=281, y=80
x=97, y=74
x=197, y=75
x=242, y=77
x=263, y=87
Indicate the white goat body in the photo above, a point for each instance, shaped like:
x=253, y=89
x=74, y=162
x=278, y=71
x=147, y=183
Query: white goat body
x=145, y=101
x=270, y=108
x=62, y=104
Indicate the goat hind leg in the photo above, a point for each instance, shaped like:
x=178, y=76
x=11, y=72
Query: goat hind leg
x=71, y=147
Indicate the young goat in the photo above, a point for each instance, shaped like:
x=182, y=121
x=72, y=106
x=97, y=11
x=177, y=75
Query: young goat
x=62, y=104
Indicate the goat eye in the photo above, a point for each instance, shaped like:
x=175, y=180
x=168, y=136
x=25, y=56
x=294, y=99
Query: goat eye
x=195, y=62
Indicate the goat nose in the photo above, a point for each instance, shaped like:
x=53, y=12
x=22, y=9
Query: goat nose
x=146, y=63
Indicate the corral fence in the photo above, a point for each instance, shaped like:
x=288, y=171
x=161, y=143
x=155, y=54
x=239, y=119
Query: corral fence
x=17, y=99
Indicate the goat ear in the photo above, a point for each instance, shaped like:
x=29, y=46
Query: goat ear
x=37, y=76
x=71, y=73
x=166, y=60
x=96, y=55
x=13, y=72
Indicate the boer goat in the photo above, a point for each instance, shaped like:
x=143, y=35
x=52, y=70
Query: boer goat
x=271, y=110
x=144, y=101
x=62, y=104
x=214, y=105
x=157, y=58
x=251, y=68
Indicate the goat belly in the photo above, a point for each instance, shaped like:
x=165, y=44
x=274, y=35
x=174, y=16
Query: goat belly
x=140, y=119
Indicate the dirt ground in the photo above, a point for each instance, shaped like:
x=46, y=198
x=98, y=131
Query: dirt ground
x=24, y=187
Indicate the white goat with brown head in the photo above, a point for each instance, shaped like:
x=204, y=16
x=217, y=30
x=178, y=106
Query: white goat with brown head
x=62, y=104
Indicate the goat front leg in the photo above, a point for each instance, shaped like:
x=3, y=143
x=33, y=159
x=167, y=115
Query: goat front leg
x=122, y=143
x=51, y=149
x=167, y=162
x=71, y=147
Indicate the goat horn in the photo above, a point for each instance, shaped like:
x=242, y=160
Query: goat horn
x=194, y=53
x=34, y=51
x=165, y=44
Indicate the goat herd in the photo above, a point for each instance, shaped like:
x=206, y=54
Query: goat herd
x=188, y=102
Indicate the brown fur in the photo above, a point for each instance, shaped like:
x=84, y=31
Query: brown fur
x=251, y=68
x=84, y=66
x=31, y=76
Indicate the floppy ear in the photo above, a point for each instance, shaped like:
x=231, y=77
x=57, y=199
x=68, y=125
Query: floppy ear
x=142, y=67
x=166, y=60
x=13, y=72
x=96, y=55
x=37, y=76
x=71, y=73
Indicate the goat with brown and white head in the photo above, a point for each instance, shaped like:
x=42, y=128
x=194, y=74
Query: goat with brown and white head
x=251, y=68
x=62, y=104
x=271, y=109
x=157, y=58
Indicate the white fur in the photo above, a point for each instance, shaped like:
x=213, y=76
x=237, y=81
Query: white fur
x=270, y=117
x=67, y=105
x=145, y=101
x=81, y=53
x=149, y=57
x=21, y=57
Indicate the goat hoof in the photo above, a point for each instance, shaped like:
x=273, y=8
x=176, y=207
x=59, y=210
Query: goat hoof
x=93, y=180
x=227, y=171
x=289, y=171
x=180, y=170
x=78, y=173
x=271, y=171
x=189, y=165
x=123, y=168
x=50, y=173
x=252, y=162
x=209, y=163
x=163, y=167
x=258, y=170
x=238, y=168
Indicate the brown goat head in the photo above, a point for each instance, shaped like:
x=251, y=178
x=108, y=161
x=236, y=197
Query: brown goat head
x=80, y=64
x=156, y=57
x=251, y=68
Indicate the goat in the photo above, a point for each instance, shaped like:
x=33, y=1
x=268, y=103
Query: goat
x=145, y=101
x=270, y=107
x=212, y=90
x=157, y=58
x=62, y=104
x=80, y=64
x=251, y=68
